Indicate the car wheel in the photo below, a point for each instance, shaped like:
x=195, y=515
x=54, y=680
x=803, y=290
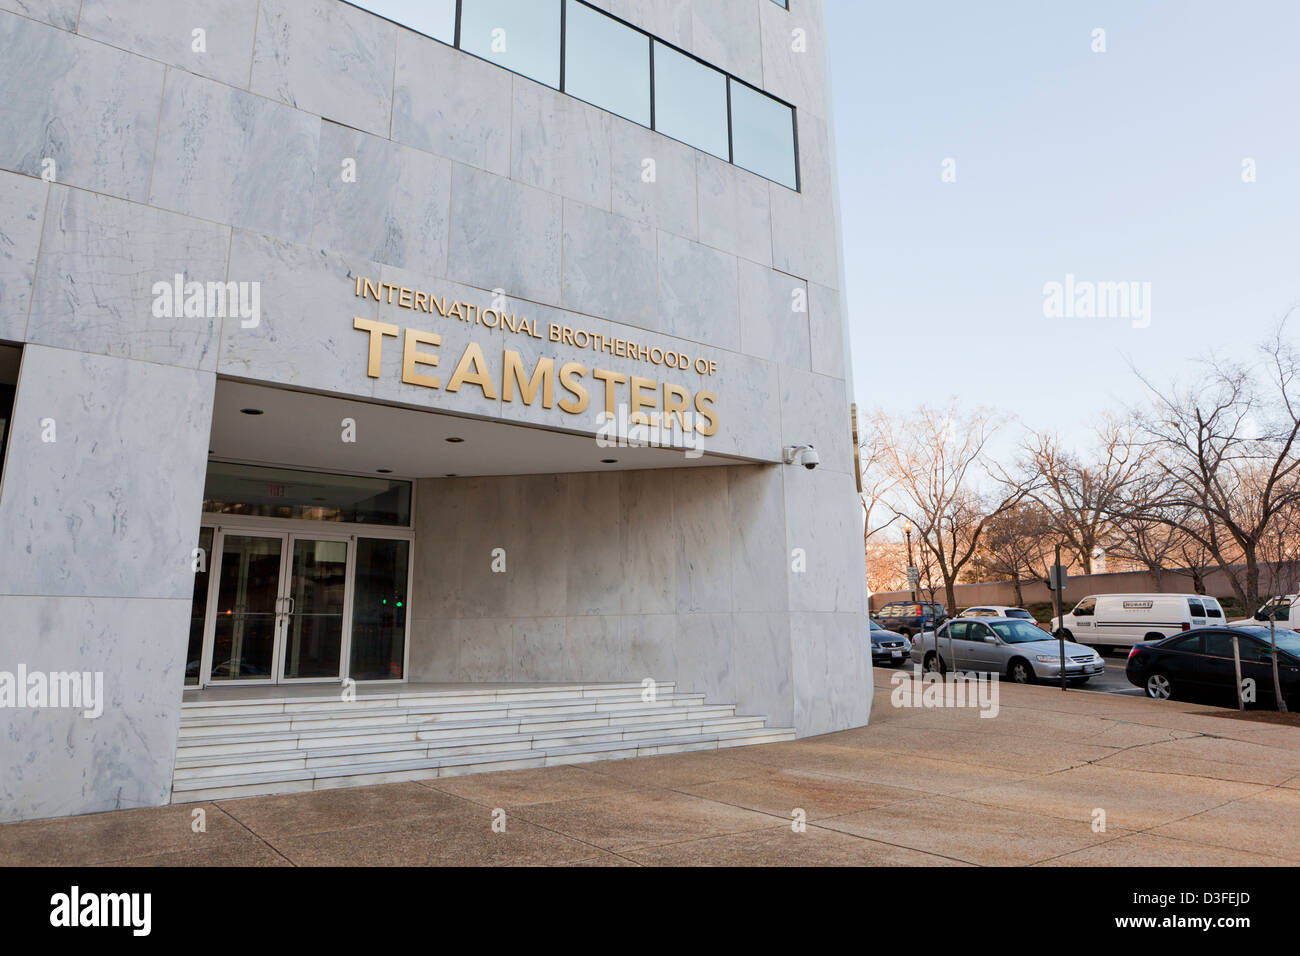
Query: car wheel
x=1159, y=686
x=930, y=660
x=1020, y=672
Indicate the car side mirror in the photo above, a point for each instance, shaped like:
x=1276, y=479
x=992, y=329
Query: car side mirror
x=990, y=639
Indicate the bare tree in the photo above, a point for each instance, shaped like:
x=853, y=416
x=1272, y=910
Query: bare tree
x=876, y=483
x=1280, y=554
x=1081, y=496
x=1226, y=450
x=936, y=459
x=1013, y=544
x=886, y=565
x=1149, y=542
x=1195, y=556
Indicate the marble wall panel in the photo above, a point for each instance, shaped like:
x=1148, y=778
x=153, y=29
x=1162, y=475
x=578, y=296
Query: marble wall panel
x=104, y=477
x=97, y=286
x=165, y=30
x=22, y=214
x=451, y=104
x=327, y=58
x=235, y=158
x=57, y=760
x=76, y=111
x=381, y=201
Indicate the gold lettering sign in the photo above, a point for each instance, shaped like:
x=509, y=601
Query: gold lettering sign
x=571, y=389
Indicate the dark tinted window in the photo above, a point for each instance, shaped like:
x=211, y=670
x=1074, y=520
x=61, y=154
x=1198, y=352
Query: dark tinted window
x=956, y=630
x=1253, y=650
x=1279, y=611
x=304, y=495
x=1197, y=608
x=1218, y=644
x=1212, y=610
x=1192, y=644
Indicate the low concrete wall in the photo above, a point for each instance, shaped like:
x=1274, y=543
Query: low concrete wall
x=1076, y=588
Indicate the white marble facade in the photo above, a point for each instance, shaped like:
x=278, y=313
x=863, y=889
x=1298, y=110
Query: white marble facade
x=128, y=155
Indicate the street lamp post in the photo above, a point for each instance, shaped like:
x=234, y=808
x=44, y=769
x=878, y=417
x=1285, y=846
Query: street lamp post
x=907, y=531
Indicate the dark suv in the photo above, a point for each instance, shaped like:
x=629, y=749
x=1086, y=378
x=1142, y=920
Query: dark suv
x=906, y=617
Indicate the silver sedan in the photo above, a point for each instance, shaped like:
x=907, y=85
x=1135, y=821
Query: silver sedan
x=1018, y=650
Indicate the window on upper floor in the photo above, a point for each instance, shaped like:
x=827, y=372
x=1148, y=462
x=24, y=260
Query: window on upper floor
x=606, y=63
x=435, y=18
x=762, y=135
x=690, y=101
x=521, y=35
x=572, y=46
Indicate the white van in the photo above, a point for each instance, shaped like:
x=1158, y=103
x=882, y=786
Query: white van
x=1284, y=609
x=1122, y=620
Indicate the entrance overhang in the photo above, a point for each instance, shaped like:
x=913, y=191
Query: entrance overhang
x=326, y=433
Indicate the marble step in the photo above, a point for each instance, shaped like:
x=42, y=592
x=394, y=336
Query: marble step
x=302, y=780
x=346, y=714
x=418, y=698
x=239, y=740
x=210, y=765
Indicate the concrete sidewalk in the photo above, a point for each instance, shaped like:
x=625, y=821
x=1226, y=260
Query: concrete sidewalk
x=1178, y=786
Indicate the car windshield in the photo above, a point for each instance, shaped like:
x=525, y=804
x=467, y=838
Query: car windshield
x=1025, y=615
x=1018, y=632
x=876, y=627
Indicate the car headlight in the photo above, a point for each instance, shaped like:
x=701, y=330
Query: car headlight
x=1044, y=659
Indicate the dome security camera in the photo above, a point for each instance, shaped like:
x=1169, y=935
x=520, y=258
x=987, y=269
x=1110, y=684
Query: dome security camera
x=806, y=455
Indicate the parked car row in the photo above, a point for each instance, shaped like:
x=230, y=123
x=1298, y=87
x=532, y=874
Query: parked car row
x=1181, y=645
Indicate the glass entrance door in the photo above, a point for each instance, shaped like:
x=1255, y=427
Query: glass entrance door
x=279, y=608
x=247, y=609
x=313, y=627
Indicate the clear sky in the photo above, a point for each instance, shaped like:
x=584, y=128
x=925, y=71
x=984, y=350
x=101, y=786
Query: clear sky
x=1117, y=166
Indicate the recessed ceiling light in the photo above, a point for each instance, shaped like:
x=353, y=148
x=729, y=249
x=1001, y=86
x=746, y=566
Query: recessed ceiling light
x=385, y=471
x=451, y=476
x=455, y=441
x=251, y=411
x=609, y=461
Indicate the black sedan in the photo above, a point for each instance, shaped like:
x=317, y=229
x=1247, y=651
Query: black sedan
x=887, y=647
x=1199, y=665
